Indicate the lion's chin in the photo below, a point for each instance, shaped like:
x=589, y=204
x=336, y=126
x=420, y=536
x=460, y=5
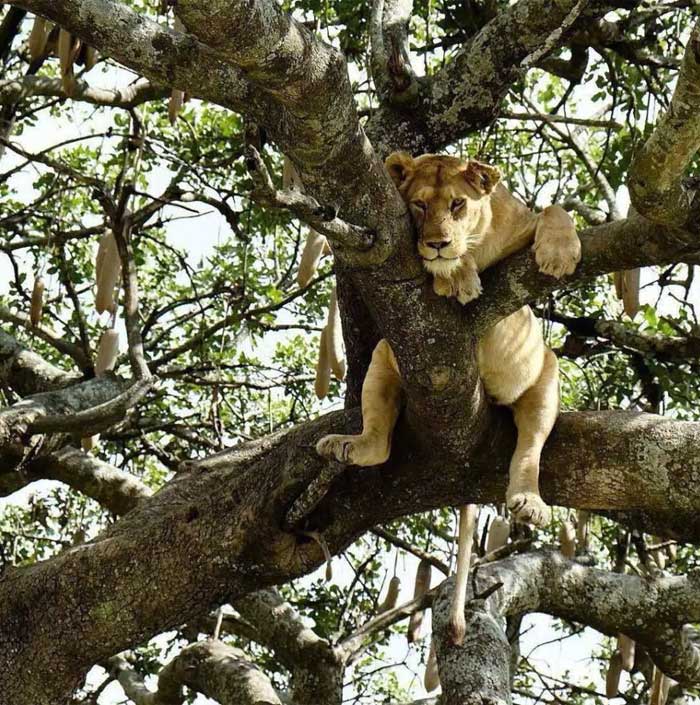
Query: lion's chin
x=441, y=266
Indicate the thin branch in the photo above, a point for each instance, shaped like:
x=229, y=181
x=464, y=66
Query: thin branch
x=568, y=120
x=129, y=97
x=406, y=546
x=307, y=209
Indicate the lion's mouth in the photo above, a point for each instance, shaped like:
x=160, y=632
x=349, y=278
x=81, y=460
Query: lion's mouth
x=438, y=256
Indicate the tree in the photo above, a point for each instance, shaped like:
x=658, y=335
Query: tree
x=211, y=406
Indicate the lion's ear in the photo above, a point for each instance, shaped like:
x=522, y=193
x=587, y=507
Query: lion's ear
x=483, y=177
x=400, y=166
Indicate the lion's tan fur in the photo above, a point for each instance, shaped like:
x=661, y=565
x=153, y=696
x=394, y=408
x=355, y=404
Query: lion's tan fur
x=466, y=221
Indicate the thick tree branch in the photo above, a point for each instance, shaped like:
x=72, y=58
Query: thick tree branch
x=114, y=489
x=316, y=666
x=467, y=93
x=393, y=75
x=652, y=612
x=640, y=464
x=209, y=667
x=656, y=182
x=28, y=373
x=624, y=244
x=661, y=347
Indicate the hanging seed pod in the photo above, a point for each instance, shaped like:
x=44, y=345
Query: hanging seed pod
x=612, y=678
x=583, y=519
x=90, y=58
x=659, y=558
x=108, y=267
x=107, y=352
x=323, y=370
x=421, y=586
x=658, y=554
x=618, y=283
x=67, y=49
x=37, y=305
x=310, y=257
x=177, y=97
x=627, y=289
x=290, y=176
x=88, y=443
x=661, y=684
x=177, y=100
x=431, y=679
x=392, y=596
x=334, y=339
x=567, y=539
x=625, y=646
x=499, y=531
x=38, y=38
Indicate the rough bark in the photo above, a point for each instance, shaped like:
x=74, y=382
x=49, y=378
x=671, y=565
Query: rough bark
x=317, y=668
x=202, y=534
x=28, y=373
x=656, y=176
x=204, y=531
x=209, y=667
x=654, y=612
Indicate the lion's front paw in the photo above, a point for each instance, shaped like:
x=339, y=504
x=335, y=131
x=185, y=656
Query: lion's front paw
x=467, y=285
x=557, y=256
x=528, y=508
x=442, y=286
x=353, y=450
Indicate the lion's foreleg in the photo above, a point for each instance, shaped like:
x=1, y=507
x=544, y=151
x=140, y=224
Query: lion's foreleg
x=534, y=413
x=381, y=394
x=557, y=246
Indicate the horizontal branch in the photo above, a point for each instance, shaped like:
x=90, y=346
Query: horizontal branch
x=624, y=244
x=661, y=347
x=116, y=490
x=204, y=531
x=14, y=90
x=73, y=350
x=566, y=119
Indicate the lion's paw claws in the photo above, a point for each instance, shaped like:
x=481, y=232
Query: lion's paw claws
x=529, y=508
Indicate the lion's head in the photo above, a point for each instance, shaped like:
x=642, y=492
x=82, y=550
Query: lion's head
x=446, y=197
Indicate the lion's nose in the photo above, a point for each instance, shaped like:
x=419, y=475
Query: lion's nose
x=439, y=244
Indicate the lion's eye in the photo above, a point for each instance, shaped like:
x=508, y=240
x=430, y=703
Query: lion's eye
x=457, y=204
x=420, y=205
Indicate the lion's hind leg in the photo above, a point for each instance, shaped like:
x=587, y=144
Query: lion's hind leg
x=381, y=393
x=534, y=413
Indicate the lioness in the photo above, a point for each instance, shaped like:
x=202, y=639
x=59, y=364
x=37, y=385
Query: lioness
x=466, y=221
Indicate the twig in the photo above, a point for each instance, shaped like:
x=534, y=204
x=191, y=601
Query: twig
x=322, y=219
x=406, y=546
